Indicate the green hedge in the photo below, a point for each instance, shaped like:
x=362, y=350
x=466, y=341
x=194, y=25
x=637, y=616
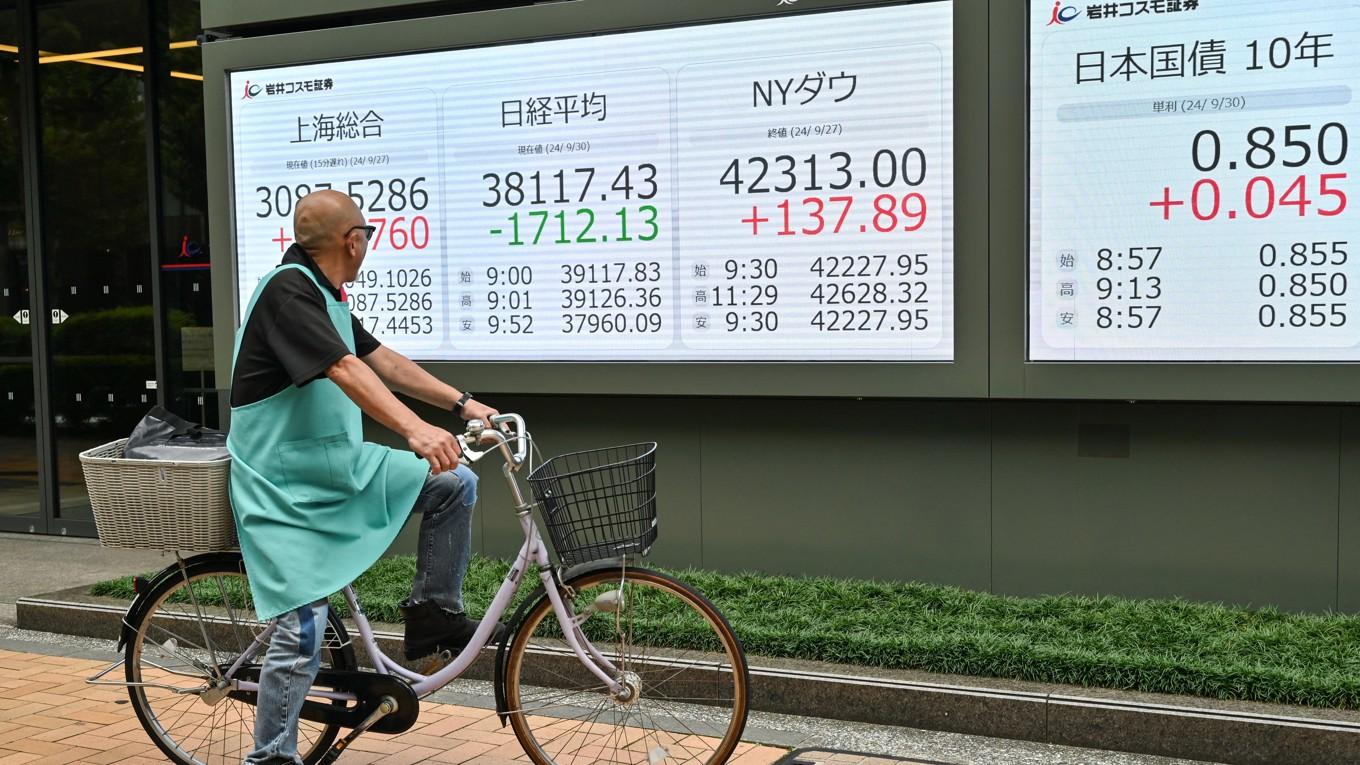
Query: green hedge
x=1159, y=646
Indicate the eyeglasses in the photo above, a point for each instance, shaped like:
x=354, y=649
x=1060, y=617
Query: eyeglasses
x=368, y=231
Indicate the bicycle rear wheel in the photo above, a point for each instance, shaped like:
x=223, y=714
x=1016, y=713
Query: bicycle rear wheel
x=674, y=650
x=187, y=631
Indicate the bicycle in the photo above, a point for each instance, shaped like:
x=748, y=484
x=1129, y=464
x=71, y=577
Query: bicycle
x=634, y=667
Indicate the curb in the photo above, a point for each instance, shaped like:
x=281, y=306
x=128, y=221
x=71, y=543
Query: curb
x=804, y=756
x=1200, y=733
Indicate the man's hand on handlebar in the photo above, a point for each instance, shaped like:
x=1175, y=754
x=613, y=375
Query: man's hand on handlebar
x=505, y=431
x=476, y=410
x=437, y=446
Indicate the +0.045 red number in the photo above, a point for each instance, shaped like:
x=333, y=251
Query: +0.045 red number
x=1261, y=198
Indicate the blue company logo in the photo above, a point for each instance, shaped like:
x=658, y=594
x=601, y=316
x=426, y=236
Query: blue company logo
x=1063, y=14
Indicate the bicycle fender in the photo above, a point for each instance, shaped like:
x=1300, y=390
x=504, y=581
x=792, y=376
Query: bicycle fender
x=134, y=610
x=140, y=604
x=528, y=604
x=502, y=706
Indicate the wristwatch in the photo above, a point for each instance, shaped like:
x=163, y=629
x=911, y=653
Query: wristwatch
x=461, y=402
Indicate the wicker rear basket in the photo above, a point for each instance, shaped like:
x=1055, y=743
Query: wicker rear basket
x=158, y=504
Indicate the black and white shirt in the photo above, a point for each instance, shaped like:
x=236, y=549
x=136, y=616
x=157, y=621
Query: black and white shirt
x=289, y=338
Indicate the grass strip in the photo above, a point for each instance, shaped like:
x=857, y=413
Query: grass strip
x=1156, y=646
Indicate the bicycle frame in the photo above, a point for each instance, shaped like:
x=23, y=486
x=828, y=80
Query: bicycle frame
x=532, y=553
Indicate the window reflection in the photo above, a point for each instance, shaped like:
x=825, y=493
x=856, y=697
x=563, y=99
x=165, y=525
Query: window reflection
x=95, y=221
x=185, y=285
x=18, y=449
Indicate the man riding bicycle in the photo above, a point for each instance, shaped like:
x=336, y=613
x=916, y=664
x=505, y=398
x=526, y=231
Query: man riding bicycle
x=315, y=505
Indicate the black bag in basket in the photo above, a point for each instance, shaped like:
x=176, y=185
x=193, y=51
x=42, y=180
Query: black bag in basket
x=164, y=435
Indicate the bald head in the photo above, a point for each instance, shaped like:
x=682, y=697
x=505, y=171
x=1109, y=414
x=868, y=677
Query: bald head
x=321, y=220
x=324, y=225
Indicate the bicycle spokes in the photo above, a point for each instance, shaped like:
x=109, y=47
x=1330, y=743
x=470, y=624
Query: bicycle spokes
x=680, y=676
x=195, y=628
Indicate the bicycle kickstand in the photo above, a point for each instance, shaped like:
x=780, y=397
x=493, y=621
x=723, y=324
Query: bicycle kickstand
x=387, y=707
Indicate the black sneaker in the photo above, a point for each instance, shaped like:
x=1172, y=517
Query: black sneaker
x=431, y=629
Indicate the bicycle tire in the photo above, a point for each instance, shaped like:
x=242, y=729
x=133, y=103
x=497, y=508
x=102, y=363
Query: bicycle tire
x=563, y=730
x=163, y=624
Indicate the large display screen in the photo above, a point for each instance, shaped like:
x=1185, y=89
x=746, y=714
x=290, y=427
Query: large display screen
x=1190, y=181
x=769, y=190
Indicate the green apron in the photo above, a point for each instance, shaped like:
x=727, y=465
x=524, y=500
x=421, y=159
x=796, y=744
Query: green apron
x=315, y=506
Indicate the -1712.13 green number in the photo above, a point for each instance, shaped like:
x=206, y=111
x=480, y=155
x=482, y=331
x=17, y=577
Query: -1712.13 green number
x=531, y=227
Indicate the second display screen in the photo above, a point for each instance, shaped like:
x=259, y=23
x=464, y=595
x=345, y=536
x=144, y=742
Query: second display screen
x=1189, y=181
x=773, y=190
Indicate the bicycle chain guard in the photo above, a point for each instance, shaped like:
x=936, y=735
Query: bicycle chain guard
x=368, y=687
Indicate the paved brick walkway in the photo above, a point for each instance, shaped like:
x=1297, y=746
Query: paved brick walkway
x=49, y=716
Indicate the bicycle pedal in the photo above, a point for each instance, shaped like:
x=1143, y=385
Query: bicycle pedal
x=437, y=662
x=387, y=707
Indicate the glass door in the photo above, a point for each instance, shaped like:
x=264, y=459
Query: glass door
x=96, y=243
x=104, y=300
x=20, y=494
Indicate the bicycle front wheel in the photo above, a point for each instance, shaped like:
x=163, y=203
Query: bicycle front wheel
x=683, y=666
x=195, y=626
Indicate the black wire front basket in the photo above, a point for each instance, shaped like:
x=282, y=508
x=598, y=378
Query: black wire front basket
x=599, y=504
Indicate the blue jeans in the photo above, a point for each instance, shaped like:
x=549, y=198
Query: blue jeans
x=294, y=654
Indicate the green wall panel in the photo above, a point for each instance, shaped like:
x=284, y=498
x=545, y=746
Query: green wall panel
x=1232, y=503
x=1348, y=520
x=878, y=489
x=1222, y=503
x=561, y=425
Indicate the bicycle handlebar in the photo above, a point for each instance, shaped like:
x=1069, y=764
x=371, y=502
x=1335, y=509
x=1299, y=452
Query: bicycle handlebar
x=475, y=444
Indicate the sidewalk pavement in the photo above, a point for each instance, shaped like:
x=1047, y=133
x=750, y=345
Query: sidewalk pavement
x=36, y=565
x=33, y=565
x=50, y=716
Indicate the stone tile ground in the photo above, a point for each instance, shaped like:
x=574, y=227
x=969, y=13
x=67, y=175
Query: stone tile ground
x=50, y=716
